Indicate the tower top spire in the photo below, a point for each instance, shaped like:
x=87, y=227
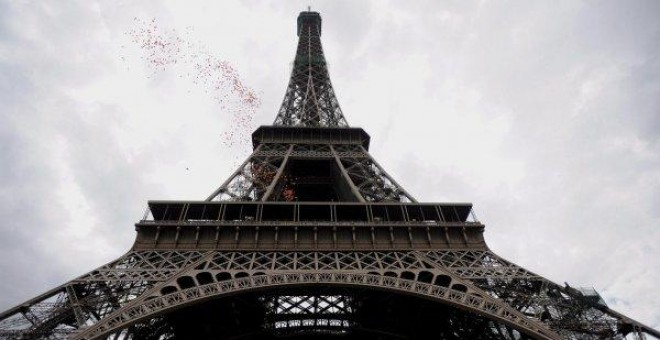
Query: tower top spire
x=309, y=18
x=310, y=100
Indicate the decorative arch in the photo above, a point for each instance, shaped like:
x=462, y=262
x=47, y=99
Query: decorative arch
x=152, y=306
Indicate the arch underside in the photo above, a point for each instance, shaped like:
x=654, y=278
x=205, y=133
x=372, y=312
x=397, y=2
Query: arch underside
x=381, y=307
x=143, y=286
x=303, y=312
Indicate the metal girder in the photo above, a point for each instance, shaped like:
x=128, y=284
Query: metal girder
x=372, y=181
x=160, y=304
x=455, y=273
x=91, y=297
x=278, y=175
x=347, y=178
x=262, y=172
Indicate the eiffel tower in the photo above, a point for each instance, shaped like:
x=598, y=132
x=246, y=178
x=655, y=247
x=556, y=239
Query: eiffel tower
x=310, y=237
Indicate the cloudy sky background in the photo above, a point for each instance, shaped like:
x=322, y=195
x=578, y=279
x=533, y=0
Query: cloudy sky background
x=545, y=115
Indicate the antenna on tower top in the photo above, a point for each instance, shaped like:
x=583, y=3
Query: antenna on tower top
x=309, y=8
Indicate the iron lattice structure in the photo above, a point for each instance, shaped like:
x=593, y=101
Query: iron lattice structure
x=310, y=99
x=310, y=237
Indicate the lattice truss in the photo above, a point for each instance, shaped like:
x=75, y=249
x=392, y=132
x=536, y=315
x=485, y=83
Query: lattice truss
x=310, y=99
x=264, y=176
x=253, y=178
x=311, y=313
x=374, y=184
x=83, y=302
x=130, y=294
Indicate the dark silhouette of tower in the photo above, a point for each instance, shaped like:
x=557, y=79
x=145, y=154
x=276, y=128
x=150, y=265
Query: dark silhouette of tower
x=310, y=237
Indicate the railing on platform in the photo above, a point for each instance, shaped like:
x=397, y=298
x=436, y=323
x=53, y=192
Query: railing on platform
x=308, y=212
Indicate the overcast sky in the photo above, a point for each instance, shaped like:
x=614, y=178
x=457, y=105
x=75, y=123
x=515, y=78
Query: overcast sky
x=545, y=115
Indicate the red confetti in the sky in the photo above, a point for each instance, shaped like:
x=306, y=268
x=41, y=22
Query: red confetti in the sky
x=162, y=48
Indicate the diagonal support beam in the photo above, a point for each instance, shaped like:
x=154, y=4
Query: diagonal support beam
x=236, y=173
x=276, y=179
x=410, y=197
x=344, y=173
x=75, y=305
